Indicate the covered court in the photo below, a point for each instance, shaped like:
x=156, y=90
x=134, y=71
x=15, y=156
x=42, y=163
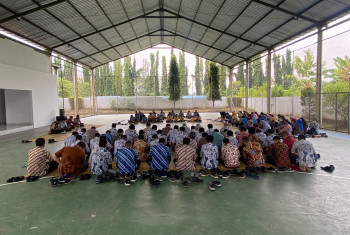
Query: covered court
x=89, y=34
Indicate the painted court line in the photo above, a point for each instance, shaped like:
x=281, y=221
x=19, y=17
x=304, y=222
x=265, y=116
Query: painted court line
x=24, y=181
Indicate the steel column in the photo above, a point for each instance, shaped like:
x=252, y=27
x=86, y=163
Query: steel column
x=268, y=103
x=76, y=94
x=246, y=84
x=230, y=80
x=319, y=76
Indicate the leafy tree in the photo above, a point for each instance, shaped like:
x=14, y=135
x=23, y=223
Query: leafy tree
x=128, y=86
x=306, y=69
x=250, y=74
x=174, y=88
x=164, y=77
x=133, y=74
x=308, y=101
x=144, y=79
x=287, y=69
x=240, y=74
x=86, y=74
x=156, y=80
x=277, y=69
x=197, y=76
x=201, y=75
x=182, y=74
x=223, y=76
x=258, y=73
x=341, y=71
x=118, y=74
x=68, y=88
x=207, y=73
x=150, y=85
x=213, y=88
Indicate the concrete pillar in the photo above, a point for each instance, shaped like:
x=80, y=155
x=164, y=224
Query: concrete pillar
x=268, y=109
x=246, y=84
x=230, y=80
x=319, y=76
x=94, y=111
x=2, y=107
x=76, y=94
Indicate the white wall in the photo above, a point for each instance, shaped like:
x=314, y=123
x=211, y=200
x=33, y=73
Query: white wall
x=18, y=107
x=22, y=68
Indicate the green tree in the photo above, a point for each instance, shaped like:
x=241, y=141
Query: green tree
x=118, y=74
x=250, y=74
x=128, y=86
x=288, y=69
x=68, y=70
x=206, y=73
x=197, y=76
x=174, y=88
x=306, y=68
x=240, y=74
x=86, y=74
x=156, y=80
x=223, y=76
x=277, y=69
x=213, y=88
x=201, y=75
x=258, y=73
x=164, y=77
x=133, y=75
x=341, y=71
x=182, y=74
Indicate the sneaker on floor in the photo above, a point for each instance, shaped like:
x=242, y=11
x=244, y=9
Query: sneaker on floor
x=204, y=172
x=212, y=186
x=120, y=180
x=185, y=183
x=329, y=168
x=196, y=180
x=214, y=173
x=127, y=182
x=133, y=179
x=99, y=179
x=225, y=175
x=216, y=182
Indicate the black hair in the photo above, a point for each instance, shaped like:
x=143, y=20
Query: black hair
x=258, y=131
x=230, y=133
x=251, y=130
x=81, y=144
x=210, y=126
x=186, y=141
x=204, y=134
x=201, y=130
x=97, y=135
x=141, y=137
x=103, y=142
x=132, y=127
x=83, y=129
x=154, y=136
x=210, y=139
x=79, y=137
x=276, y=138
x=182, y=128
x=39, y=142
x=176, y=127
x=114, y=125
x=75, y=133
x=120, y=130
x=141, y=132
x=154, y=127
x=161, y=140
x=226, y=141
x=301, y=137
x=243, y=128
x=216, y=130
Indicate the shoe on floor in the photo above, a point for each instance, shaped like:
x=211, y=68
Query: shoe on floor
x=99, y=179
x=212, y=186
x=127, y=182
x=196, y=180
x=216, y=182
x=204, y=172
x=329, y=168
x=185, y=183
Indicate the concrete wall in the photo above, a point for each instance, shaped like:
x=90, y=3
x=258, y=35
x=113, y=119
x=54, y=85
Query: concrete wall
x=22, y=68
x=18, y=107
x=2, y=107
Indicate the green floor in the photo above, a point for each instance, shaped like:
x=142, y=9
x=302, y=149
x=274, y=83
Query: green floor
x=287, y=203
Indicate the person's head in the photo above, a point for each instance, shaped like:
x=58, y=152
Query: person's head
x=70, y=117
x=285, y=134
x=210, y=126
x=269, y=132
x=216, y=130
x=226, y=124
x=40, y=142
x=154, y=137
x=114, y=125
x=77, y=116
x=168, y=125
x=83, y=130
x=176, y=127
x=120, y=131
x=162, y=141
x=242, y=128
x=128, y=144
x=182, y=129
x=251, y=130
x=79, y=137
x=132, y=127
x=97, y=135
x=193, y=127
x=201, y=130
x=204, y=134
x=141, y=132
x=210, y=139
x=301, y=137
x=315, y=120
x=141, y=137
x=108, y=131
x=103, y=142
x=124, y=137
x=276, y=139
x=226, y=141
x=81, y=145
x=230, y=133
x=154, y=127
x=75, y=133
x=258, y=131
x=93, y=128
x=186, y=141
x=159, y=132
x=148, y=124
x=246, y=140
x=192, y=135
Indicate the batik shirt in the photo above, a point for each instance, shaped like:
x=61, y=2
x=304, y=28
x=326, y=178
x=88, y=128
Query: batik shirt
x=109, y=137
x=186, y=158
x=230, y=155
x=306, y=153
x=69, y=141
x=187, y=130
x=179, y=137
x=233, y=140
x=85, y=138
x=265, y=125
x=224, y=128
x=252, y=154
x=113, y=131
x=94, y=143
x=162, y=136
x=198, y=136
x=147, y=129
x=130, y=135
x=86, y=149
x=100, y=159
x=210, y=131
x=149, y=135
x=141, y=148
x=192, y=144
x=280, y=154
x=160, y=157
x=37, y=161
x=261, y=136
x=209, y=154
x=118, y=145
x=172, y=136
x=126, y=159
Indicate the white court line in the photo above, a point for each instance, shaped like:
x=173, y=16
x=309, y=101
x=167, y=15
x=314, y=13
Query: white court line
x=24, y=181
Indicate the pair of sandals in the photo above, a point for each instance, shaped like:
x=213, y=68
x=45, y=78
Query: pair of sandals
x=214, y=184
x=328, y=169
x=15, y=179
x=52, y=141
x=60, y=181
x=26, y=141
x=32, y=178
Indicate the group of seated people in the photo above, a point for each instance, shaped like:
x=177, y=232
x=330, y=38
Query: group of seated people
x=153, y=117
x=254, y=145
x=65, y=125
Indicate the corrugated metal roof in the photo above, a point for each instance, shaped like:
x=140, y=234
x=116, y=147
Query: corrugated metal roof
x=94, y=32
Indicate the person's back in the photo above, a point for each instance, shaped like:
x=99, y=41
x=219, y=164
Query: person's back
x=127, y=159
x=218, y=138
x=209, y=154
x=185, y=156
x=131, y=133
x=230, y=154
x=161, y=156
x=306, y=153
x=288, y=140
x=242, y=133
x=252, y=153
x=141, y=148
x=101, y=159
x=166, y=129
x=91, y=133
x=280, y=153
x=72, y=159
x=71, y=139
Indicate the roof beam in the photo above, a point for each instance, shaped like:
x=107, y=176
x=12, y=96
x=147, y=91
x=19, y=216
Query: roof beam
x=177, y=20
x=120, y=44
x=298, y=15
x=161, y=19
x=18, y=15
x=106, y=28
x=144, y=12
x=215, y=29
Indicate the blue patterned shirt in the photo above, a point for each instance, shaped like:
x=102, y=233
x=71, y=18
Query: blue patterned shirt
x=126, y=159
x=160, y=157
x=100, y=159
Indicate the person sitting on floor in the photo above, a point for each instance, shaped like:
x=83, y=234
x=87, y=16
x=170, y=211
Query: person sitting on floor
x=288, y=140
x=230, y=154
x=144, y=119
x=71, y=140
x=225, y=127
x=77, y=121
x=95, y=141
x=169, y=118
x=132, y=120
x=148, y=128
x=72, y=160
x=137, y=117
x=241, y=134
x=109, y=137
x=127, y=160
x=181, y=116
x=314, y=128
x=185, y=158
x=40, y=161
x=79, y=139
x=232, y=139
x=261, y=135
x=114, y=130
x=154, y=140
x=141, y=148
x=252, y=136
x=176, y=118
x=131, y=133
x=209, y=154
x=91, y=133
x=189, y=114
x=101, y=159
x=162, y=114
x=166, y=129
x=160, y=135
x=55, y=128
x=200, y=143
x=118, y=136
x=119, y=144
x=84, y=136
x=218, y=138
x=252, y=153
x=210, y=129
x=279, y=152
x=195, y=113
x=159, y=158
x=264, y=125
x=305, y=151
x=180, y=136
x=150, y=133
x=70, y=123
x=64, y=127
x=172, y=134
